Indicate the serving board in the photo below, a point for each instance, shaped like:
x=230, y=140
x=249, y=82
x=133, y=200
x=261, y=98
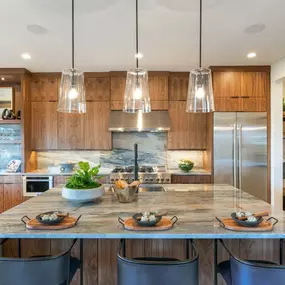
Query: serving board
x=164, y=224
x=230, y=224
x=67, y=223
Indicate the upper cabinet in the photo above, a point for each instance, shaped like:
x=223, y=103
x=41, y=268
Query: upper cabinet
x=241, y=90
x=178, y=86
x=187, y=130
x=44, y=88
x=97, y=87
x=158, y=90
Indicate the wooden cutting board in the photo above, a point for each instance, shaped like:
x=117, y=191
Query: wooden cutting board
x=230, y=224
x=164, y=224
x=67, y=223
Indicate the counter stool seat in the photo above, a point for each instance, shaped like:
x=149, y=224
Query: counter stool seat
x=157, y=270
x=39, y=270
x=236, y=271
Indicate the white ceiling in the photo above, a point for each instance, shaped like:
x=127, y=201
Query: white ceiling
x=168, y=33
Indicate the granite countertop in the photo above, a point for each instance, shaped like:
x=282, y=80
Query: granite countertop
x=195, y=205
x=194, y=171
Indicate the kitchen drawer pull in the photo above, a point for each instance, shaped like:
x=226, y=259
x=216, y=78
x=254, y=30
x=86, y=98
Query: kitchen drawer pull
x=234, y=97
x=245, y=97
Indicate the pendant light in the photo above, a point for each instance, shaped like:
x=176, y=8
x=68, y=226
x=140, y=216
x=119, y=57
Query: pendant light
x=136, y=97
x=200, y=91
x=72, y=92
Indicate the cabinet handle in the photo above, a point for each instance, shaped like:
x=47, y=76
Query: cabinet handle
x=245, y=97
x=234, y=97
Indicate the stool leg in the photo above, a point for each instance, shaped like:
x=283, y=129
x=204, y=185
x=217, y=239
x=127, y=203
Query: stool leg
x=81, y=261
x=281, y=250
x=215, y=265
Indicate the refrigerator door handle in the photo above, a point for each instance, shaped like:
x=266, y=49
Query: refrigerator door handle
x=239, y=156
x=235, y=155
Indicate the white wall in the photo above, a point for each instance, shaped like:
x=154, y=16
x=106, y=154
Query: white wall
x=277, y=78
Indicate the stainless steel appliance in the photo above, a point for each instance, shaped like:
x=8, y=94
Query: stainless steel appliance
x=35, y=185
x=146, y=174
x=240, y=151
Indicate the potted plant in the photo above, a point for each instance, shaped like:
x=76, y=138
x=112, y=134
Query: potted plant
x=186, y=165
x=83, y=186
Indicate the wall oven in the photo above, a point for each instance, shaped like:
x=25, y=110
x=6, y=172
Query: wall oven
x=35, y=185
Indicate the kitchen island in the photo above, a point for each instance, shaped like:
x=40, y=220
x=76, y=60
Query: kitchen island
x=196, y=207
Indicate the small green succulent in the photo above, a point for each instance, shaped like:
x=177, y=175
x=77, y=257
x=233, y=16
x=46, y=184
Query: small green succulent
x=84, y=178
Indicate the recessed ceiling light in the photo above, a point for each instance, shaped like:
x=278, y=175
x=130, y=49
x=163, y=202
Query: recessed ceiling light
x=26, y=56
x=36, y=29
x=2, y=78
x=251, y=55
x=255, y=29
x=139, y=55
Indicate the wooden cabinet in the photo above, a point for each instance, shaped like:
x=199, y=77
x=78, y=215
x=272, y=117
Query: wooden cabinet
x=97, y=88
x=158, y=90
x=187, y=130
x=1, y=198
x=241, y=91
x=13, y=195
x=191, y=179
x=97, y=135
x=178, y=86
x=44, y=125
x=44, y=88
x=71, y=131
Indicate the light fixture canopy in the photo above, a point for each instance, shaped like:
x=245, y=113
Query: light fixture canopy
x=200, y=97
x=72, y=92
x=136, y=98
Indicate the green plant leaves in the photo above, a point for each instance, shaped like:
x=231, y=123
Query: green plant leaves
x=84, y=178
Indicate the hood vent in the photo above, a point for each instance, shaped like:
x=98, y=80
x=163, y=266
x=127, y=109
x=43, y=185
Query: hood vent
x=155, y=121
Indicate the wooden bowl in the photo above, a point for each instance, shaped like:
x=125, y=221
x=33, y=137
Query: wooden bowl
x=137, y=219
x=53, y=222
x=245, y=223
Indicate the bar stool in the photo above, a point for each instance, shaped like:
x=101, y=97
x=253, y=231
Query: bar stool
x=45, y=270
x=250, y=272
x=157, y=270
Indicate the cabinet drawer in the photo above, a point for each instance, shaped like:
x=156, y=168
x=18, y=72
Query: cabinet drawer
x=13, y=179
x=191, y=179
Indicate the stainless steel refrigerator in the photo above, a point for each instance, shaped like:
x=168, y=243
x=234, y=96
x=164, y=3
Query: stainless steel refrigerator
x=240, y=151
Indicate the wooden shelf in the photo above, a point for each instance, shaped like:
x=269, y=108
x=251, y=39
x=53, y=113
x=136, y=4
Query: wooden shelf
x=10, y=142
x=10, y=122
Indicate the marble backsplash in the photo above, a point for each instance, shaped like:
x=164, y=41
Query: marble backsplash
x=151, y=151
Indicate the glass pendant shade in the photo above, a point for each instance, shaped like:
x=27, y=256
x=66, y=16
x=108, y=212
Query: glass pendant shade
x=72, y=92
x=200, y=91
x=137, y=92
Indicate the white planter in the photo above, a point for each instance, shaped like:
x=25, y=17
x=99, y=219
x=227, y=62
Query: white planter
x=84, y=195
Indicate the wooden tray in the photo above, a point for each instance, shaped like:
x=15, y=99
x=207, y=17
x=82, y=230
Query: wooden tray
x=34, y=224
x=164, y=224
x=264, y=226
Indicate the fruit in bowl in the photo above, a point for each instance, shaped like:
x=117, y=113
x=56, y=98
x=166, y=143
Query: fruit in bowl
x=186, y=165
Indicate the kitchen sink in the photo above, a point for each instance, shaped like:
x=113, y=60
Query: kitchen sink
x=151, y=188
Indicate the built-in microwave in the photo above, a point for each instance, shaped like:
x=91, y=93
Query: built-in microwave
x=35, y=185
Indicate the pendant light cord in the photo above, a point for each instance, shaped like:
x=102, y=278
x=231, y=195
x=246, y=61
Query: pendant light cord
x=200, y=39
x=72, y=34
x=137, y=34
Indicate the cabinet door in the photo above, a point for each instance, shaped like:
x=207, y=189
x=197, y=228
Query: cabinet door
x=13, y=195
x=187, y=130
x=97, y=88
x=118, y=86
x=1, y=198
x=227, y=84
x=71, y=131
x=158, y=87
x=251, y=104
x=96, y=126
x=44, y=125
x=255, y=84
x=178, y=86
x=226, y=104
x=44, y=89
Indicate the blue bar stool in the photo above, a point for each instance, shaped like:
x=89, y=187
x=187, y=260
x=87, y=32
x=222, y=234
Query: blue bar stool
x=157, y=270
x=44, y=270
x=250, y=272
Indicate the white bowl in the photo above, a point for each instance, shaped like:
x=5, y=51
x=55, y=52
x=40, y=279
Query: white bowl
x=82, y=195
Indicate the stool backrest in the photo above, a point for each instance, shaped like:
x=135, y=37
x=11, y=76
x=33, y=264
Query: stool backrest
x=35, y=271
x=249, y=273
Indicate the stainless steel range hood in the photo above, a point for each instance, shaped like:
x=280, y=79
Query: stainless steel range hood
x=155, y=121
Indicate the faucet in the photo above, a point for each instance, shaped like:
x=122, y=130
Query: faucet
x=136, y=170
